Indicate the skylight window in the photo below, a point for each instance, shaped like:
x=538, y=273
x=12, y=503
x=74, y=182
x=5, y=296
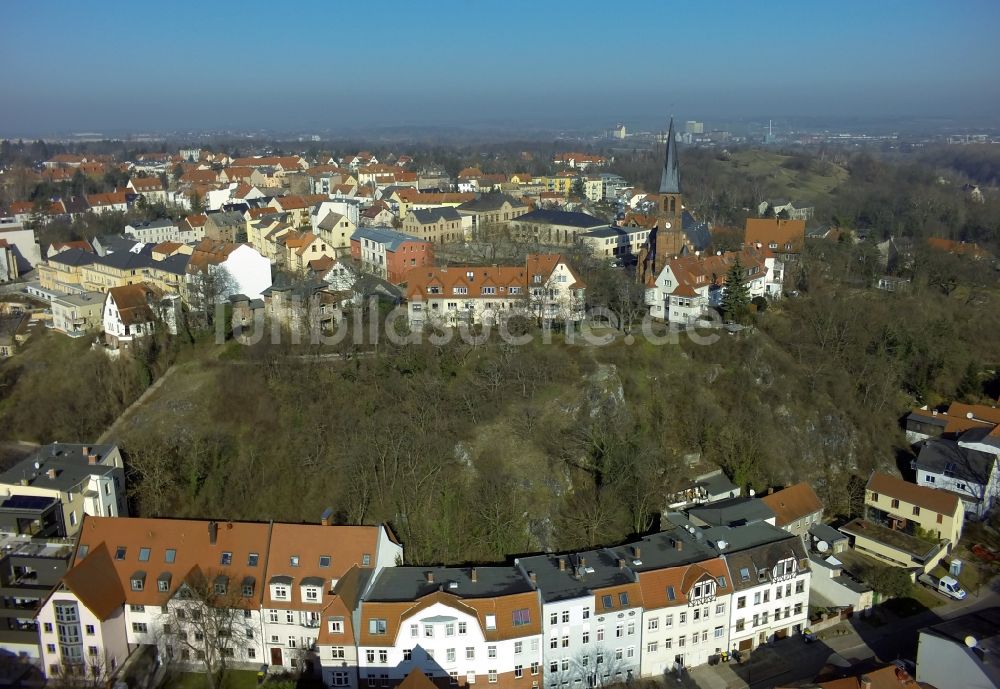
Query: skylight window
x=252, y=559
x=143, y=554
x=120, y=552
x=226, y=559
x=170, y=555
x=294, y=560
x=324, y=560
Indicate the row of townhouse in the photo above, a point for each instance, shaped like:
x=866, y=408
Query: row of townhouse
x=545, y=287
x=335, y=602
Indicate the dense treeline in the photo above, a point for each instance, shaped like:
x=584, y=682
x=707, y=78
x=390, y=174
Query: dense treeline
x=62, y=390
x=892, y=197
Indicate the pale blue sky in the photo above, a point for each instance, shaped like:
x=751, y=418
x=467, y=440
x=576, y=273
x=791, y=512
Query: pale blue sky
x=181, y=64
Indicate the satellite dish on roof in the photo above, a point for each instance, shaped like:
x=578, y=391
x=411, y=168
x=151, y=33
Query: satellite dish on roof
x=970, y=641
x=969, y=415
x=822, y=546
x=752, y=492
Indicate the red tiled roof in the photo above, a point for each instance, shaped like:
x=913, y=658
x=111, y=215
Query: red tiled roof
x=942, y=501
x=792, y=503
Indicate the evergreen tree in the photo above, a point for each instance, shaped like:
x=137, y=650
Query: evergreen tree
x=736, y=294
x=578, y=190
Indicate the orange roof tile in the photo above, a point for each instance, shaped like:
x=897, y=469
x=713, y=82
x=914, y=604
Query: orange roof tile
x=942, y=501
x=788, y=235
x=192, y=552
x=792, y=503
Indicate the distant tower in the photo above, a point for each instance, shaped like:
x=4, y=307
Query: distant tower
x=668, y=239
x=769, y=139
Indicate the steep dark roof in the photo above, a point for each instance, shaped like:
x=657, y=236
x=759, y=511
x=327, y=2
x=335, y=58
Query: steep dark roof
x=489, y=202
x=384, y=235
x=176, y=264
x=732, y=512
x=410, y=583
x=73, y=257
x=670, y=180
x=426, y=216
x=948, y=458
x=127, y=260
x=548, y=216
x=697, y=232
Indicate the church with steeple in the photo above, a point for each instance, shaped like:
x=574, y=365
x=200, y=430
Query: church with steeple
x=667, y=239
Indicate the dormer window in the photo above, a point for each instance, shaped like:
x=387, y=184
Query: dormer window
x=221, y=585
x=247, y=587
x=280, y=587
x=138, y=581
x=163, y=582
x=336, y=625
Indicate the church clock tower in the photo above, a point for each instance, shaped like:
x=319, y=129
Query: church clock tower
x=668, y=239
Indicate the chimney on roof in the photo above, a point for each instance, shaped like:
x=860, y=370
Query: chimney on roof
x=91, y=459
x=51, y=473
x=429, y=576
x=865, y=682
x=327, y=517
x=213, y=532
x=636, y=552
x=770, y=490
x=583, y=561
x=533, y=577
x=562, y=563
x=85, y=450
x=678, y=544
x=474, y=575
x=621, y=563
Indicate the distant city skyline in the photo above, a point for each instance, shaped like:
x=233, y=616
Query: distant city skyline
x=318, y=65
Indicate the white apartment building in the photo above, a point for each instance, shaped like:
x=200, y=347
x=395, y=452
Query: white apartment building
x=192, y=588
x=591, y=615
x=467, y=626
x=154, y=231
x=769, y=570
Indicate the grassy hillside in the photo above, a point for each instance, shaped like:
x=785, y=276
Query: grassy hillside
x=806, y=181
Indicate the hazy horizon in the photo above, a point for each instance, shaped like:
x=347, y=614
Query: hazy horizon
x=326, y=66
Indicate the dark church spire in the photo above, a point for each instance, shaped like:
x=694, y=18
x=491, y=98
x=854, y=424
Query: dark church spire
x=670, y=180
